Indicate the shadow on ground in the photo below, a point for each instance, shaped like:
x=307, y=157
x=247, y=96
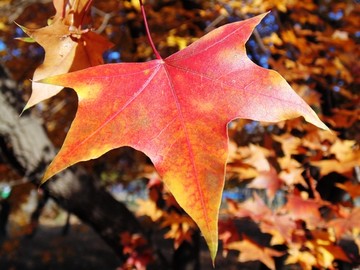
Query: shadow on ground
x=48, y=249
x=80, y=249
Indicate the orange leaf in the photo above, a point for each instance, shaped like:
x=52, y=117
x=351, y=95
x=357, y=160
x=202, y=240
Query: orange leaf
x=67, y=47
x=251, y=251
x=307, y=210
x=176, y=111
x=181, y=228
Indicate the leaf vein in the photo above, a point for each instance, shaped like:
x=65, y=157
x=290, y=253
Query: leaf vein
x=113, y=116
x=191, y=152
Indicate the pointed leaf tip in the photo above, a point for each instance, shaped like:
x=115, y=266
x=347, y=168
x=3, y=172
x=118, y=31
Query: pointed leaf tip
x=315, y=120
x=213, y=251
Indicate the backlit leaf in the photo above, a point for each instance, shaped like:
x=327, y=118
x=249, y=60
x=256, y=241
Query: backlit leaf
x=176, y=111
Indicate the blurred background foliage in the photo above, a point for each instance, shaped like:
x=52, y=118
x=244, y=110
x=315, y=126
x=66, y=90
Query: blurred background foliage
x=314, y=44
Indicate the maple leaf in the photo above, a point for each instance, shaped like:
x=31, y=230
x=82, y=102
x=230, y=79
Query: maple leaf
x=176, y=111
x=67, y=47
x=252, y=251
x=180, y=228
x=345, y=150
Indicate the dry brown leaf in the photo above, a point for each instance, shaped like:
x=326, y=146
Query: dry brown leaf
x=67, y=47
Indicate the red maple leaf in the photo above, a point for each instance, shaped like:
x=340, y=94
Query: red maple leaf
x=176, y=111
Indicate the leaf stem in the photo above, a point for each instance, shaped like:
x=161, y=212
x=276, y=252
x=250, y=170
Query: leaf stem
x=158, y=56
x=86, y=10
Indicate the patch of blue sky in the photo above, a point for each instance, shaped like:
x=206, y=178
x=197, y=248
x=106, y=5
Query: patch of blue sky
x=336, y=16
x=112, y=57
x=2, y=45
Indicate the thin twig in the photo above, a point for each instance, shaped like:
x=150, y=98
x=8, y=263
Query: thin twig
x=148, y=31
x=105, y=21
x=214, y=23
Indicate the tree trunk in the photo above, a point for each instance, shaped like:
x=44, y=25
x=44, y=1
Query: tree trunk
x=25, y=146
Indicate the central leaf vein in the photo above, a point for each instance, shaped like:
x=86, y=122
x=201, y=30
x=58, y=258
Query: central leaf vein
x=191, y=152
